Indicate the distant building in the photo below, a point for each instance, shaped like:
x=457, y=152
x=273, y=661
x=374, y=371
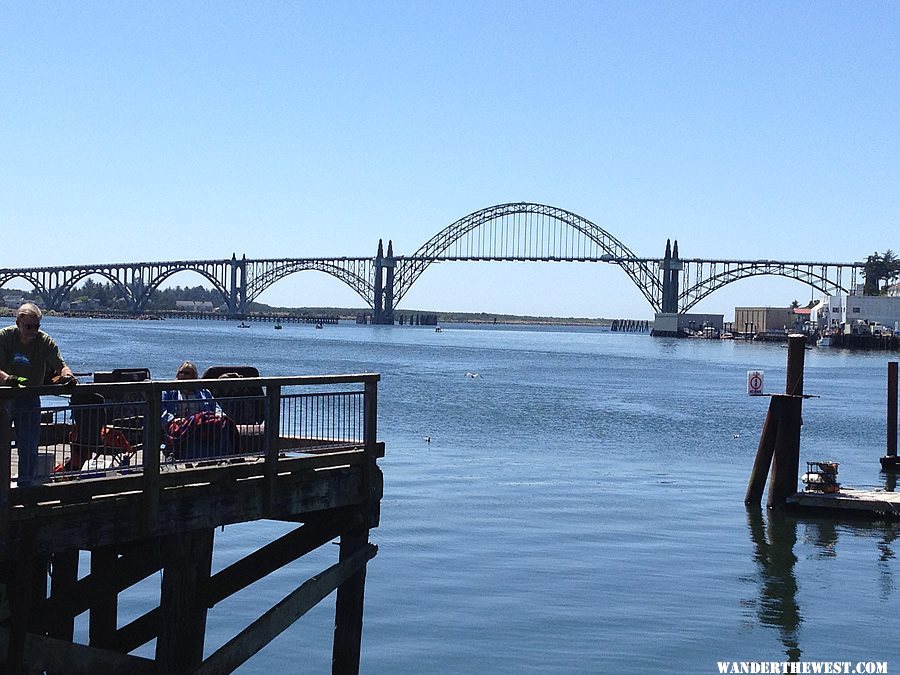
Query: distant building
x=753, y=320
x=803, y=319
x=193, y=305
x=87, y=304
x=13, y=300
x=838, y=310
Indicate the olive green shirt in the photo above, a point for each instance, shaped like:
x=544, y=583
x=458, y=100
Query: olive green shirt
x=33, y=360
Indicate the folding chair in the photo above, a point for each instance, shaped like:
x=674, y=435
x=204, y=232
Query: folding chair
x=89, y=416
x=245, y=405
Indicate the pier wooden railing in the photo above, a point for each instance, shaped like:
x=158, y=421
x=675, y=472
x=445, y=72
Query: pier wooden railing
x=331, y=426
x=312, y=460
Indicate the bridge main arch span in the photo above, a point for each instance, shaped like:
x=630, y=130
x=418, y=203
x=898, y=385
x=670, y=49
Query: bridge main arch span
x=519, y=231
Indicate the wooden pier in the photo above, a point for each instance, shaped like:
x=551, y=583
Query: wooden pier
x=307, y=455
x=197, y=315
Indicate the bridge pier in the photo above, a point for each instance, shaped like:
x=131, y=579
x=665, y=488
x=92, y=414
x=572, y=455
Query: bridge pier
x=671, y=269
x=384, y=286
x=378, y=300
x=237, y=301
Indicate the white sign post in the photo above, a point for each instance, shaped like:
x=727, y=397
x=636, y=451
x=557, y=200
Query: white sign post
x=755, y=382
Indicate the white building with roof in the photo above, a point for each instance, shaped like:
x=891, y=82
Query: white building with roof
x=838, y=310
x=194, y=305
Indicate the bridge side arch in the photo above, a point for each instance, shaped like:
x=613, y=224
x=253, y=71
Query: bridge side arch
x=526, y=231
x=807, y=274
x=54, y=296
x=35, y=282
x=357, y=273
x=60, y=292
x=142, y=297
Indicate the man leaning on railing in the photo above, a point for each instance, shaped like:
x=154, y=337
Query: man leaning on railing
x=27, y=354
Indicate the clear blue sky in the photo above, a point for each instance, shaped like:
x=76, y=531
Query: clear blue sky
x=137, y=131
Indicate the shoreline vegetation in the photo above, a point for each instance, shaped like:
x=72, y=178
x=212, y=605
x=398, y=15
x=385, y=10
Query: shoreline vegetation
x=345, y=314
x=101, y=301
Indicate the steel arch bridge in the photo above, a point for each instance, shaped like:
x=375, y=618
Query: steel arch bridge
x=519, y=231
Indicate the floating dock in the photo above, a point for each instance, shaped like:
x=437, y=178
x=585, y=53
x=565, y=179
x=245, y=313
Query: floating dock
x=850, y=501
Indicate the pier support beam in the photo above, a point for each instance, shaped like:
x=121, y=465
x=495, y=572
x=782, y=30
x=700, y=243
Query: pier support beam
x=188, y=560
x=63, y=580
x=26, y=584
x=104, y=606
x=348, y=616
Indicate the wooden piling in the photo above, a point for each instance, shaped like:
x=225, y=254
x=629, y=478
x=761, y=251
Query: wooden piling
x=5, y=468
x=348, y=618
x=63, y=579
x=786, y=455
x=187, y=560
x=779, y=443
x=890, y=462
x=764, y=453
x=104, y=614
x=796, y=354
x=892, y=409
x=23, y=588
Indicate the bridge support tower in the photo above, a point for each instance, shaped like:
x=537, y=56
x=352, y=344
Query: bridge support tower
x=384, y=285
x=671, y=271
x=237, y=302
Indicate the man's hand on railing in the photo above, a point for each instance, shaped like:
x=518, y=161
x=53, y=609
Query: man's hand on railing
x=66, y=379
x=15, y=381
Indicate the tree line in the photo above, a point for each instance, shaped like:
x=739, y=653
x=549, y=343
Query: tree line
x=107, y=296
x=881, y=271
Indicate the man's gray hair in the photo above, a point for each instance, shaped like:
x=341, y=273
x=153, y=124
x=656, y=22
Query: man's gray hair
x=29, y=308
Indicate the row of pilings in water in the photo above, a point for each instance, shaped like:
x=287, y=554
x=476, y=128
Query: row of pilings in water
x=630, y=326
x=403, y=319
x=330, y=319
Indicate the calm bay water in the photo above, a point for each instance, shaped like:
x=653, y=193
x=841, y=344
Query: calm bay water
x=578, y=508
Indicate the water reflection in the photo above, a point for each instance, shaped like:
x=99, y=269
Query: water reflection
x=823, y=533
x=774, y=538
x=773, y=552
x=886, y=551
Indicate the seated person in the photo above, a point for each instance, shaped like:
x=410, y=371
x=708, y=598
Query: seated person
x=179, y=404
x=193, y=423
